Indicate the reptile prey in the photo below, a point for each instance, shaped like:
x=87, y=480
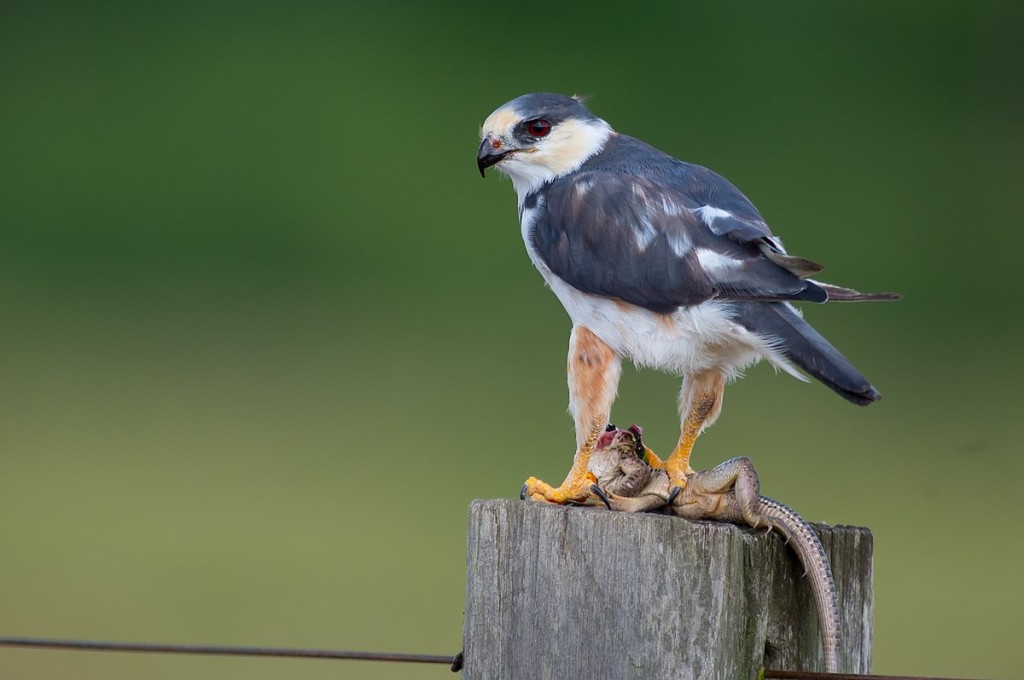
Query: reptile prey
x=729, y=492
x=658, y=261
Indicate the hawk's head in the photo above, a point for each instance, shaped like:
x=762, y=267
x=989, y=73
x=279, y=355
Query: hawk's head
x=537, y=137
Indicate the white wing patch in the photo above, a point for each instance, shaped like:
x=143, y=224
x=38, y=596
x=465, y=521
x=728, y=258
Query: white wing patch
x=671, y=208
x=709, y=214
x=644, y=232
x=679, y=242
x=584, y=186
x=711, y=261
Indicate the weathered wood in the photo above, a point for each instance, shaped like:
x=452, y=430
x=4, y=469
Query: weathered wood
x=566, y=592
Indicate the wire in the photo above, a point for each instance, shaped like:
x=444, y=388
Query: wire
x=453, y=662
x=227, y=650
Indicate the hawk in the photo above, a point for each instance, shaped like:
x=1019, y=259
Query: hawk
x=659, y=261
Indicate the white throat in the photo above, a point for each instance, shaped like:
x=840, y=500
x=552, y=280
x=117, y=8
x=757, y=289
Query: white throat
x=568, y=147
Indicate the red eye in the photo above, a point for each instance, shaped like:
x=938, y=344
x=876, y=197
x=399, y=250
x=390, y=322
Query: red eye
x=539, y=127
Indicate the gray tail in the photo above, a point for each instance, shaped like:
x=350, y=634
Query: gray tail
x=841, y=294
x=806, y=348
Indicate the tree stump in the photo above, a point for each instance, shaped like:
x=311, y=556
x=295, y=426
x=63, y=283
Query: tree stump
x=571, y=592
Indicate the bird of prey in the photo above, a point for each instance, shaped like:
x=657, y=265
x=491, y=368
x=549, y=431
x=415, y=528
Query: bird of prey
x=656, y=260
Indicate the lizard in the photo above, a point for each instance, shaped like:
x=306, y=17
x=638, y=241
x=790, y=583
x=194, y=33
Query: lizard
x=728, y=492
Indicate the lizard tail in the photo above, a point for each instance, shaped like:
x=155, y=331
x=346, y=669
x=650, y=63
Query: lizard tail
x=805, y=543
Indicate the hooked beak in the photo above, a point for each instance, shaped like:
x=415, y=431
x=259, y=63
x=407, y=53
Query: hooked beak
x=490, y=152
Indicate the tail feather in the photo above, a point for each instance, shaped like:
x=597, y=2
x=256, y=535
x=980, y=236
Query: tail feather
x=841, y=294
x=807, y=348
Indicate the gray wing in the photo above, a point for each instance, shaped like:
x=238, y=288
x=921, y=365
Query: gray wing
x=665, y=239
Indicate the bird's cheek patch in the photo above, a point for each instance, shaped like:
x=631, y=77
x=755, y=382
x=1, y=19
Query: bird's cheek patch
x=499, y=123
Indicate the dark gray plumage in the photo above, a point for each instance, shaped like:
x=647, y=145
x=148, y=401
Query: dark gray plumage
x=586, y=233
x=659, y=261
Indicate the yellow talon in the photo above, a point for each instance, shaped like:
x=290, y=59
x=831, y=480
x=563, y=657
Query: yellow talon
x=651, y=458
x=571, y=491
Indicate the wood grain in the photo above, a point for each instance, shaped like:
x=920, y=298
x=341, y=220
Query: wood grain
x=569, y=592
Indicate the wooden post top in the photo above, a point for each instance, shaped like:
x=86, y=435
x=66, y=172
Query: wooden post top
x=556, y=592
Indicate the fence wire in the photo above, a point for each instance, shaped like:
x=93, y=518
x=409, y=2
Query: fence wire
x=453, y=662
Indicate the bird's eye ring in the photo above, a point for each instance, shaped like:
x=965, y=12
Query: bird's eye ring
x=538, y=127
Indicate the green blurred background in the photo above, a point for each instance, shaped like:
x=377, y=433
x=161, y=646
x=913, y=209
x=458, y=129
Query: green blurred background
x=266, y=333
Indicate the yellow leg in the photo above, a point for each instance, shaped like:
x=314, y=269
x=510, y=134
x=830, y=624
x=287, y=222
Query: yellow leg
x=576, y=486
x=593, y=369
x=651, y=458
x=700, y=402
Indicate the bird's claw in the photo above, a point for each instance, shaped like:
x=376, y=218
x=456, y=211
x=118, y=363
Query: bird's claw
x=630, y=504
x=599, y=492
x=576, y=492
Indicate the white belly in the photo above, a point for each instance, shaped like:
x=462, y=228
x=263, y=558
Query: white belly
x=687, y=341
x=684, y=342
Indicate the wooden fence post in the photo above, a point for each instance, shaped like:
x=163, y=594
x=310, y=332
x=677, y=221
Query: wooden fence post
x=566, y=592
